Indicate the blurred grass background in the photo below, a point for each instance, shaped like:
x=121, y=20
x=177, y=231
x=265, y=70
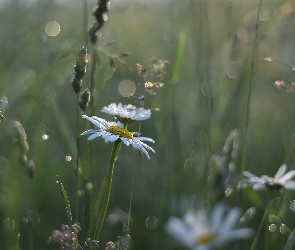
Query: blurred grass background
x=209, y=45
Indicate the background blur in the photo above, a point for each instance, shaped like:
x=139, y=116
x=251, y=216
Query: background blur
x=209, y=45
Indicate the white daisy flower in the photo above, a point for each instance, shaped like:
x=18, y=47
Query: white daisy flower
x=112, y=131
x=280, y=180
x=199, y=232
x=127, y=113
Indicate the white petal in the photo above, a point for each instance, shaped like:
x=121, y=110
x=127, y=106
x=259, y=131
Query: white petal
x=242, y=233
x=287, y=176
x=289, y=185
x=91, y=137
x=249, y=175
x=280, y=172
x=231, y=219
x=144, y=139
x=139, y=147
x=217, y=216
x=179, y=231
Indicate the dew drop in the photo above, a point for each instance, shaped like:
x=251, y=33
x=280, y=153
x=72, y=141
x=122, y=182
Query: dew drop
x=228, y=192
x=152, y=222
x=272, y=228
x=9, y=224
x=38, y=131
x=283, y=229
x=45, y=137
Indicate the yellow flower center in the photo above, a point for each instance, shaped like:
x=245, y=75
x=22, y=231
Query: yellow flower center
x=204, y=239
x=271, y=179
x=122, y=132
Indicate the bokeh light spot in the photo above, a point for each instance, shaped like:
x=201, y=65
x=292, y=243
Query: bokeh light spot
x=9, y=224
x=52, y=28
x=32, y=219
x=126, y=88
x=45, y=137
x=152, y=222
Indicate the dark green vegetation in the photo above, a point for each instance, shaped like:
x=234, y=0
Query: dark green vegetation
x=218, y=80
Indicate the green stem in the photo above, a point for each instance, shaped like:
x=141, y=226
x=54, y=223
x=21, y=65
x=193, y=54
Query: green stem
x=77, y=161
x=131, y=197
x=244, y=156
x=97, y=205
x=114, y=155
x=263, y=223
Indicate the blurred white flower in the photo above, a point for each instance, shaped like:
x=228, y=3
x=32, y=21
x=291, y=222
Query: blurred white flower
x=199, y=232
x=280, y=180
x=112, y=131
x=127, y=113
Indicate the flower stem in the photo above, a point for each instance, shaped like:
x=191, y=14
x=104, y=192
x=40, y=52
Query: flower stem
x=77, y=160
x=114, y=154
x=244, y=156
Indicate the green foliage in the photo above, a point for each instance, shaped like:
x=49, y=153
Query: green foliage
x=201, y=98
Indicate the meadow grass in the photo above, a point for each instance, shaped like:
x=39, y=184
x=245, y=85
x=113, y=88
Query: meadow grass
x=226, y=106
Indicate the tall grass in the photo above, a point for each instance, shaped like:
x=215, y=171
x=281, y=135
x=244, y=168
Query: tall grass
x=218, y=97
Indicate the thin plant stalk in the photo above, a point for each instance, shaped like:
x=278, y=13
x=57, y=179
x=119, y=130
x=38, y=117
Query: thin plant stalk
x=263, y=224
x=244, y=156
x=85, y=22
x=77, y=161
x=97, y=204
x=114, y=154
x=131, y=196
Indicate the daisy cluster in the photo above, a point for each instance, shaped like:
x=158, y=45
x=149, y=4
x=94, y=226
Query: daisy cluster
x=279, y=181
x=113, y=131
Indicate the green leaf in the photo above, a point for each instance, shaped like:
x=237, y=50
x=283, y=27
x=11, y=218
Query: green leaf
x=253, y=197
x=66, y=199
